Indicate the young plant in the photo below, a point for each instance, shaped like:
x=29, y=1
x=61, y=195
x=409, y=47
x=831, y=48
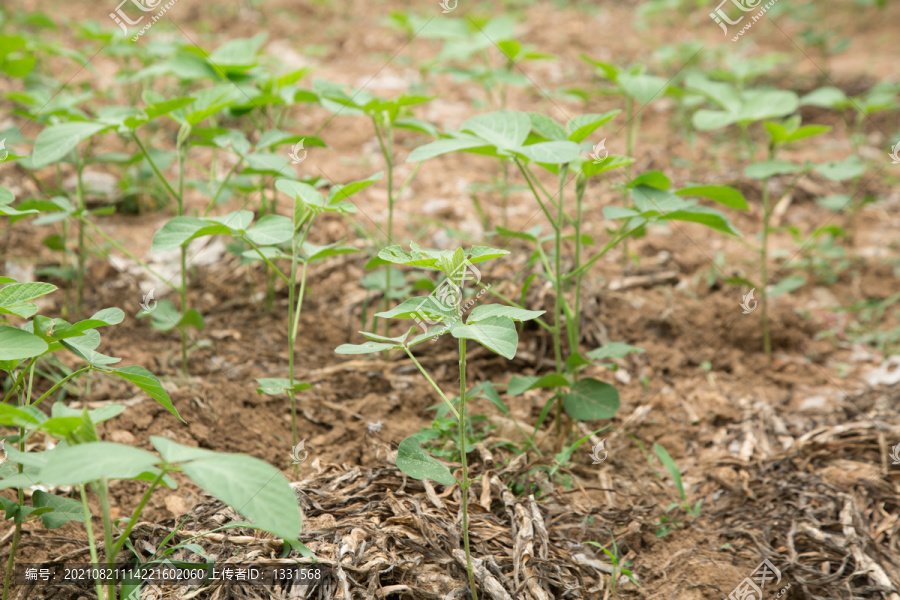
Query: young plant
x=780, y=134
x=20, y=351
x=618, y=569
x=275, y=238
x=532, y=139
x=387, y=116
x=675, y=472
x=492, y=326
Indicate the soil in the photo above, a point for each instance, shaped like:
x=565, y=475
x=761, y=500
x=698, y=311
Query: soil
x=776, y=451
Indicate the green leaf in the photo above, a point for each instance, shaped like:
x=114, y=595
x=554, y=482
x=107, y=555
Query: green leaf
x=415, y=462
x=582, y=126
x=300, y=192
x=16, y=344
x=486, y=311
x=18, y=293
x=98, y=415
x=591, y=399
x=273, y=386
x=148, y=382
x=505, y=129
x=497, y=334
x=722, y=194
x=420, y=307
x=841, y=170
x=614, y=350
x=807, y=131
x=252, y=487
x=643, y=88
x=366, y=348
x=62, y=509
x=703, y=215
x=313, y=252
x=519, y=384
x=238, y=54
x=482, y=253
x=671, y=467
x=654, y=179
x=456, y=143
x=73, y=465
x=180, y=230
x=589, y=168
x=104, y=317
x=270, y=230
x=414, y=257
x=55, y=141
x=759, y=105
x=554, y=153
x=771, y=168
x=340, y=193
x=546, y=127
x=825, y=97
x=786, y=285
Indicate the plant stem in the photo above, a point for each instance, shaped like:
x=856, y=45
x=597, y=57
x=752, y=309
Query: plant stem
x=387, y=150
x=137, y=513
x=79, y=194
x=90, y=531
x=103, y=493
x=433, y=384
x=764, y=274
x=124, y=251
x=294, y=311
x=557, y=297
x=183, y=290
x=464, y=500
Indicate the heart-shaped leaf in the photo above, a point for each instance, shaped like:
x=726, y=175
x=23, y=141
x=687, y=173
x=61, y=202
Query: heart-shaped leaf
x=497, y=334
x=415, y=462
x=591, y=399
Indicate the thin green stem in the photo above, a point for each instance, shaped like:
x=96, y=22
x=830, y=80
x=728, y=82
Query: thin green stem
x=222, y=186
x=764, y=267
x=137, y=513
x=557, y=297
x=90, y=535
x=62, y=381
x=387, y=150
x=536, y=196
x=183, y=290
x=464, y=496
x=103, y=493
x=153, y=166
x=294, y=313
x=433, y=384
x=79, y=194
x=124, y=251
